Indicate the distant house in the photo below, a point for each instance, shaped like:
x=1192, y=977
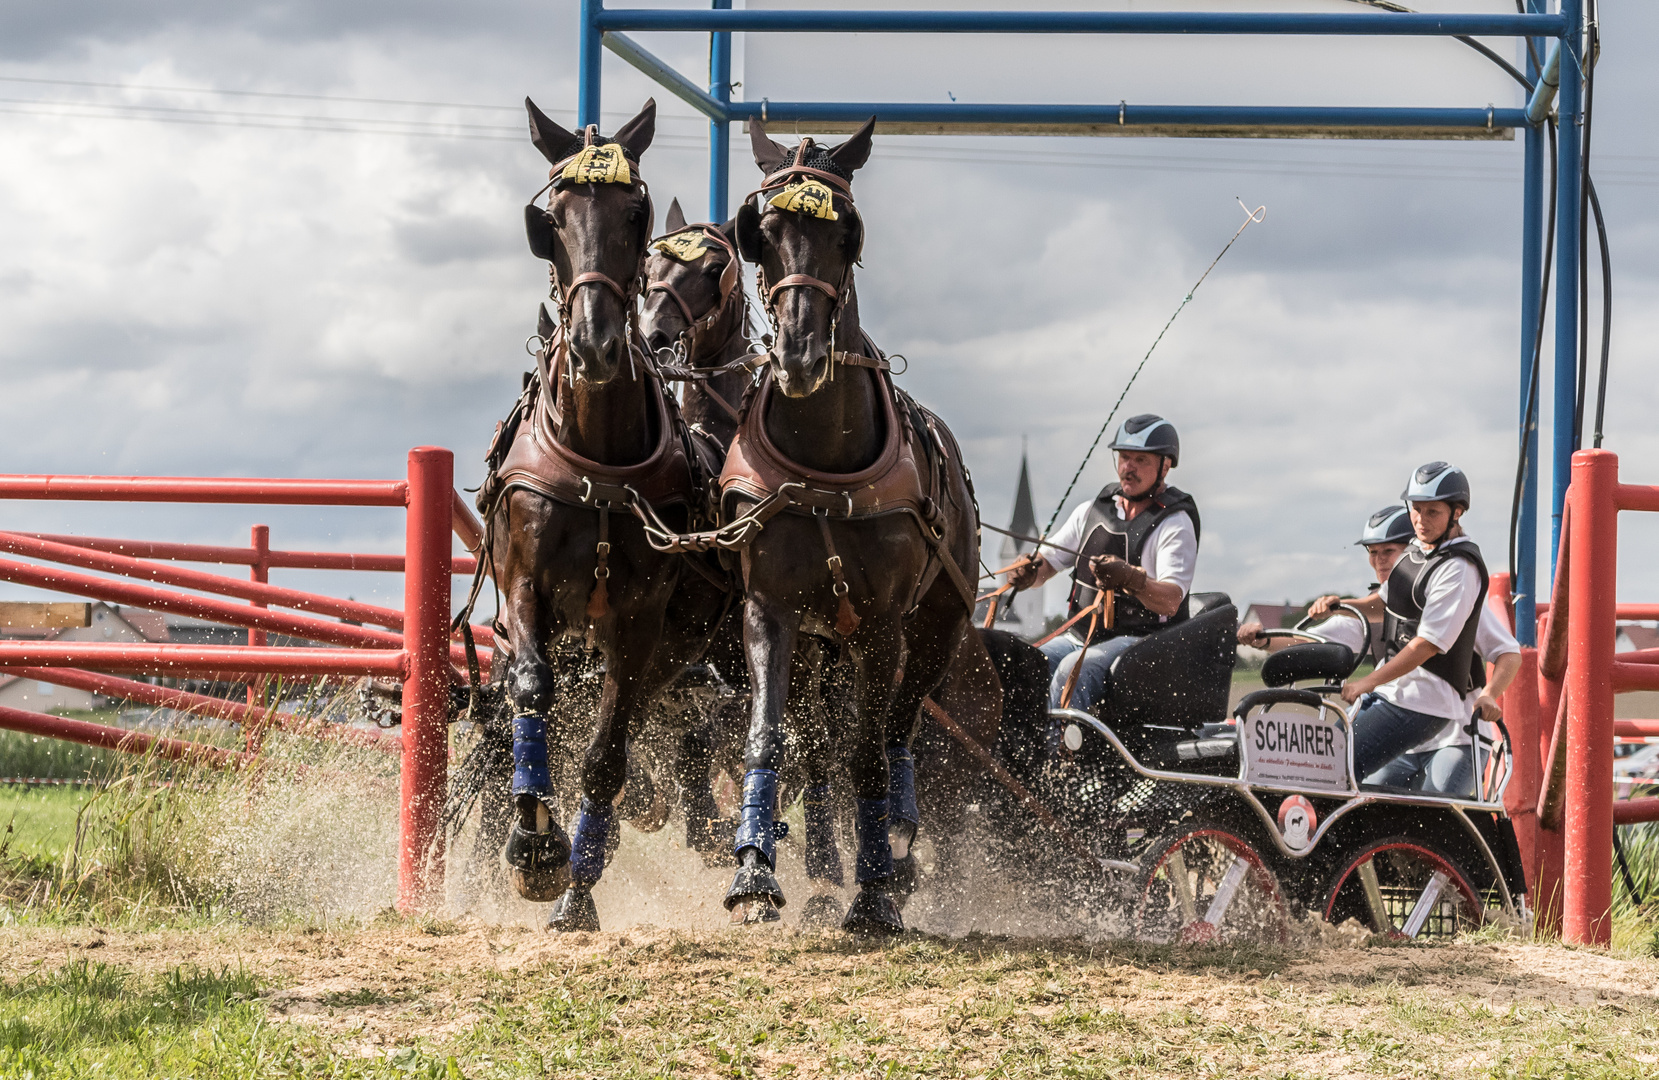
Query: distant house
x=108, y=623
x=1271, y=616
x=1633, y=636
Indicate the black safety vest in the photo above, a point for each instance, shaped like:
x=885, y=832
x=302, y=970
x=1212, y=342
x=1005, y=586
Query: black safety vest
x=1105, y=532
x=1459, y=665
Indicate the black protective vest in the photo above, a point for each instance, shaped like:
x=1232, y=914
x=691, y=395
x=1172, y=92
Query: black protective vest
x=1105, y=532
x=1459, y=665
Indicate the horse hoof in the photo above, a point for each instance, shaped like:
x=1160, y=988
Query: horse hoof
x=755, y=912
x=906, y=873
x=822, y=912
x=753, y=883
x=541, y=887
x=874, y=911
x=574, y=911
x=539, y=861
x=643, y=805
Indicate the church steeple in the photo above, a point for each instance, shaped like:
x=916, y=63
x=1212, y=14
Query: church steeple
x=1025, y=516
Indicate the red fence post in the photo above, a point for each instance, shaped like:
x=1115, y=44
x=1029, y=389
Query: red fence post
x=1588, y=824
x=260, y=541
x=1520, y=711
x=426, y=600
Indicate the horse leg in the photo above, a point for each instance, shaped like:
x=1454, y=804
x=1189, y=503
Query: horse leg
x=931, y=642
x=879, y=654
x=823, y=858
x=769, y=641
x=537, y=850
x=631, y=680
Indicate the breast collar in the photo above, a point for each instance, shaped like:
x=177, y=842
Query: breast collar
x=537, y=460
x=756, y=469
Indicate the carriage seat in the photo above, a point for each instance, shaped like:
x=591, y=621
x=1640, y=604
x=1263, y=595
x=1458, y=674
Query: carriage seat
x=1328, y=662
x=1171, y=683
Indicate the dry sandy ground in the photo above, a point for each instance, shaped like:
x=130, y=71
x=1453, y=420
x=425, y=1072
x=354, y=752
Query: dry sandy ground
x=510, y=1000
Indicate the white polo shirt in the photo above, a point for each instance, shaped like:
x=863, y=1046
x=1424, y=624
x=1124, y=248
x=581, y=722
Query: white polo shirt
x=1492, y=640
x=1170, y=553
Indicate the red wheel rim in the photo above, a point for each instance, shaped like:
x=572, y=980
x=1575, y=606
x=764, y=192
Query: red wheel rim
x=1458, y=879
x=1201, y=931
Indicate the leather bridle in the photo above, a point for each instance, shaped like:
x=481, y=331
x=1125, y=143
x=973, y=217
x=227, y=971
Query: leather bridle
x=730, y=281
x=565, y=295
x=839, y=292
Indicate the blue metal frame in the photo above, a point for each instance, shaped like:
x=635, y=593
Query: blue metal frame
x=1564, y=28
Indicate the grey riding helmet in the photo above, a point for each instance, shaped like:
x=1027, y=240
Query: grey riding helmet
x=1391, y=525
x=1438, y=482
x=1150, y=433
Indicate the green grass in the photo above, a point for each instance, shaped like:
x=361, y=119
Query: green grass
x=87, y=1019
x=38, y=823
x=33, y=756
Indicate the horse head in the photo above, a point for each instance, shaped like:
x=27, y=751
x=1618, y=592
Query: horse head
x=692, y=274
x=594, y=231
x=804, y=233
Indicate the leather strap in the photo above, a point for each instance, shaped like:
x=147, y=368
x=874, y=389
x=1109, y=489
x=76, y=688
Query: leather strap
x=797, y=281
x=664, y=286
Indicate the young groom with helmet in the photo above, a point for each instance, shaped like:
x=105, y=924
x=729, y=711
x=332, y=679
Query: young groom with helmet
x=1138, y=537
x=1384, y=538
x=1412, y=724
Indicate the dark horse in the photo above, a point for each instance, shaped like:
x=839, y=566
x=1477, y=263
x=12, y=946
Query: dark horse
x=866, y=529
x=695, y=321
x=595, y=449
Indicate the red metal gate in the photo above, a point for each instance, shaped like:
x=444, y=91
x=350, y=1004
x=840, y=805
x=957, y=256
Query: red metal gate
x=412, y=645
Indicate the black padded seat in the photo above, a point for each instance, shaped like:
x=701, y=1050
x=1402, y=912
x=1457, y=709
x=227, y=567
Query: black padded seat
x=1326, y=661
x=1166, y=686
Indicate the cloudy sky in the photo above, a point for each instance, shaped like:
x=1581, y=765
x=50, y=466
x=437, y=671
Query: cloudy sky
x=284, y=240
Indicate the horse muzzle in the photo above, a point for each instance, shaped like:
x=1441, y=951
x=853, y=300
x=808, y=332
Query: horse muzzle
x=798, y=377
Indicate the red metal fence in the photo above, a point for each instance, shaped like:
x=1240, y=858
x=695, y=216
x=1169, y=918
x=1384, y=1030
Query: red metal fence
x=1561, y=708
x=412, y=645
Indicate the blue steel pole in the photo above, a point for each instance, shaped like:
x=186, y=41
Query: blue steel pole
x=1567, y=240
x=588, y=59
x=720, y=131
x=1524, y=587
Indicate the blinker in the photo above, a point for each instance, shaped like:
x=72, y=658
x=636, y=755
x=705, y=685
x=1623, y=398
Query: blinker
x=807, y=196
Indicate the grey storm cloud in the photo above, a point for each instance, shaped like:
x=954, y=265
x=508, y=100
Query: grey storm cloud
x=215, y=284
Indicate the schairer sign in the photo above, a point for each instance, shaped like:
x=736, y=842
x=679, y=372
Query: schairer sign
x=1293, y=748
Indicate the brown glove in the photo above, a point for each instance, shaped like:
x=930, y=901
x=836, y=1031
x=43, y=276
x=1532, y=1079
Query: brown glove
x=1025, y=575
x=1111, y=572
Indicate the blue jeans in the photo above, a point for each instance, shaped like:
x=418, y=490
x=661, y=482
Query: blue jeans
x=1064, y=654
x=1382, y=731
x=1446, y=771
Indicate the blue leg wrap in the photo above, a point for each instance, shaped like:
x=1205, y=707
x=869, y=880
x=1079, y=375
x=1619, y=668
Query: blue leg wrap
x=823, y=861
x=754, y=825
x=901, y=786
x=530, y=755
x=875, y=853
x=587, y=844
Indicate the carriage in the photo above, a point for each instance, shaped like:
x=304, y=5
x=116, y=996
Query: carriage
x=1200, y=823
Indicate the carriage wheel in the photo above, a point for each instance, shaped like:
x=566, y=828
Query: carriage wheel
x=1206, y=884
x=1406, y=890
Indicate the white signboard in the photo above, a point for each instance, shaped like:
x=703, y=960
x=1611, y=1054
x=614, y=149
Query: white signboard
x=1290, y=747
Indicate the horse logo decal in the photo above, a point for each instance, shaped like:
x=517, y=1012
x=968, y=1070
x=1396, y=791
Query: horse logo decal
x=604, y=164
x=807, y=197
x=685, y=246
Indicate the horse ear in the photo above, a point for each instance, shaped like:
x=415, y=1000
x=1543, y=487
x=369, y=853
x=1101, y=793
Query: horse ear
x=544, y=323
x=676, y=217
x=538, y=227
x=745, y=232
x=770, y=156
x=554, y=142
x=636, y=135
x=853, y=153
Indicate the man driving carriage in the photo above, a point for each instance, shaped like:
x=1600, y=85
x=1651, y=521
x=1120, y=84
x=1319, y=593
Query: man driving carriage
x=1412, y=726
x=1138, y=538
